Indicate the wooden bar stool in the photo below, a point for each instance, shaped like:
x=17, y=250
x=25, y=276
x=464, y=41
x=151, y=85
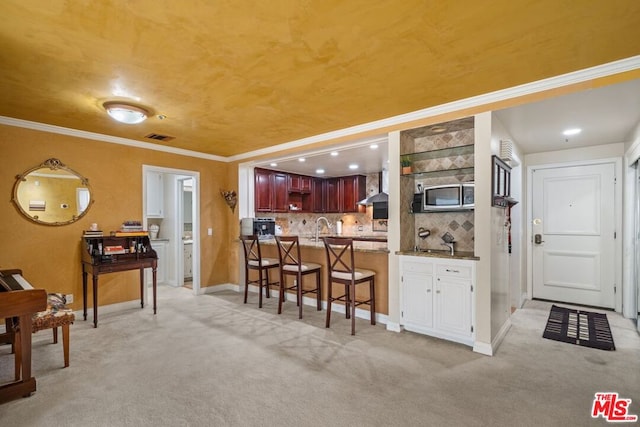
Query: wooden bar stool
x=253, y=260
x=341, y=269
x=291, y=265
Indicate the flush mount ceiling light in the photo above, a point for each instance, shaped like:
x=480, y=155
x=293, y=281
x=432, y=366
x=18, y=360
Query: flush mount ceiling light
x=125, y=113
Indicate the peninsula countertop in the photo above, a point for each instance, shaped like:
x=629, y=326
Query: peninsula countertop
x=360, y=243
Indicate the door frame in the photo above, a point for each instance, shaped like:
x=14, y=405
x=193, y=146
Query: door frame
x=178, y=257
x=617, y=163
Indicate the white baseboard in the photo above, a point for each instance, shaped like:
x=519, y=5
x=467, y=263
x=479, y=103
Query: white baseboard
x=483, y=348
x=219, y=288
x=393, y=326
x=501, y=334
x=335, y=308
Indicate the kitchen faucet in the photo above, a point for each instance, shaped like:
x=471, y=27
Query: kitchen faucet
x=450, y=246
x=318, y=226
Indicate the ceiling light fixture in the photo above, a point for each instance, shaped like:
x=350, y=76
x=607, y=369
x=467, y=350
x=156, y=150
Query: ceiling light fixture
x=302, y=159
x=573, y=131
x=125, y=113
x=373, y=146
x=319, y=171
x=334, y=153
x=353, y=166
x=273, y=165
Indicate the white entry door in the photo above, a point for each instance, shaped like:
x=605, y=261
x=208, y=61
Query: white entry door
x=573, y=228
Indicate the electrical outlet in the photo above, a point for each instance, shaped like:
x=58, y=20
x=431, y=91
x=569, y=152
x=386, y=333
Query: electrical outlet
x=69, y=298
x=360, y=228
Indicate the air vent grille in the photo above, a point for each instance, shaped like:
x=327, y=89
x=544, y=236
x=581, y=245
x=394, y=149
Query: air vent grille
x=159, y=137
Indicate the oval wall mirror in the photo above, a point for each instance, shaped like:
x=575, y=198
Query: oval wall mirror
x=52, y=194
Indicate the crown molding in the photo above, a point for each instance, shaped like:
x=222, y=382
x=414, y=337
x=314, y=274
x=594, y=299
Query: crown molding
x=10, y=121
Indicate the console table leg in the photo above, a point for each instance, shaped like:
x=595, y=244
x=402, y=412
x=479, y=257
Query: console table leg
x=95, y=301
x=155, y=276
x=84, y=294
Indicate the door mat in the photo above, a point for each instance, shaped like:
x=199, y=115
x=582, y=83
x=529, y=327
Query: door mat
x=579, y=327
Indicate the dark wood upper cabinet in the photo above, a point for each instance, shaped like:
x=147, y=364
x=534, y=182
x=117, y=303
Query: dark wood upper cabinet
x=299, y=184
x=318, y=190
x=333, y=195
x=353, y=189
x=280, y=193
x=263, y=190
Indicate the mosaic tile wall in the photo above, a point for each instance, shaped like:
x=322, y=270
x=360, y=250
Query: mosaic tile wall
x=459, y=224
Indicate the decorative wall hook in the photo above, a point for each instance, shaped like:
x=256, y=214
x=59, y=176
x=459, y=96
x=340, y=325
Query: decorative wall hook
x=231, y=198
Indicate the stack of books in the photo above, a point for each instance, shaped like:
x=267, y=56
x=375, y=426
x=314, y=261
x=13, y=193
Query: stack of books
x=92, y=233
x=114, y=250
x=140, y=233
x=131, y=226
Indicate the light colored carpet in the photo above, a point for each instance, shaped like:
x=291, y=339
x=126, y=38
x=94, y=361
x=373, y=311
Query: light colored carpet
x=213, y=361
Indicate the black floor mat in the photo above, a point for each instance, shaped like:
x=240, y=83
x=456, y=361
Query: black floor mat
x=579, y=327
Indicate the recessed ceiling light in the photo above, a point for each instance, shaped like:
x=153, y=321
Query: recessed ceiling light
x=319, y=171
x=334, y=153
x=125, y=113
x=573, y=131
x=353, y=166
x=273, y=165
x=373, y=146
x=302, y=159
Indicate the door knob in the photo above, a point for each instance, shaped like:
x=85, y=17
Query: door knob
x=538, y=239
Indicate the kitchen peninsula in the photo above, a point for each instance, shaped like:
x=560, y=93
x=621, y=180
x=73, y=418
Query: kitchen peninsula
x=370, y=252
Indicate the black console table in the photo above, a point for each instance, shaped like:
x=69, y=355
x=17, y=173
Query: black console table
x=111, y=254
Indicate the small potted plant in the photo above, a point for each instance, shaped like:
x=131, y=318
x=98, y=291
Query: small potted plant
x=405, y=162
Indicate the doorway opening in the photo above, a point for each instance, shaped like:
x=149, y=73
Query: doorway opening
x=171, y=200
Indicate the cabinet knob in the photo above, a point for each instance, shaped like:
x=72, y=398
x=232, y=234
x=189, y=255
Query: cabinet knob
x=437, y=292
x=452, y=271
x=428, y=290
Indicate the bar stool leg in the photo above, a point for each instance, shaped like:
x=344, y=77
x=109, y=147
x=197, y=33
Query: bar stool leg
x=260, y=284
x=329, y=299
x=318, y=290
x=299, y=296
x=246, y=283
x=352, y=302
x=372, y=290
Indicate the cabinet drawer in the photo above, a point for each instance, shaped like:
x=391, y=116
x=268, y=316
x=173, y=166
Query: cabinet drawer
x=460, y=271
x=417, y=267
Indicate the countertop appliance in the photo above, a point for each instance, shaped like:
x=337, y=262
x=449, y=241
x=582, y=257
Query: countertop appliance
x=449, y=197
x=264, y=228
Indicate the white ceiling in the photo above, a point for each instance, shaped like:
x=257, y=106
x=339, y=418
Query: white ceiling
x=606, y=115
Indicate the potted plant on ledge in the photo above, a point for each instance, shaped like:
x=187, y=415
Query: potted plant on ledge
x=405, y=162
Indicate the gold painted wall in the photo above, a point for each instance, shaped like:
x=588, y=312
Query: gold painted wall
x=50, y=255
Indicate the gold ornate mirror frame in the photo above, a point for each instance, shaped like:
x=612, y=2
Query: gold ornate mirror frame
x=52, y=194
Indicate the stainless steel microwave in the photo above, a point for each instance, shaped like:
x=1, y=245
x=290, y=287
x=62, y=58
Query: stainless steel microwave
x=449, y=197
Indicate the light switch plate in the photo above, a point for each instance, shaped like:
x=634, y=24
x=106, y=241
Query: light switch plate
x=210, y=231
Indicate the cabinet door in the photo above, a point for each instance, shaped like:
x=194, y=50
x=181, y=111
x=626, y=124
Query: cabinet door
x=353, y=190
x=318, y=195
x=188, y=261
x=417, y=300
x=305, y=184
x=453, y=306
x=161, y=251
x=332, y=196
x=263, y=191
x=280, y=192
x=294, y=183
x=155, y=195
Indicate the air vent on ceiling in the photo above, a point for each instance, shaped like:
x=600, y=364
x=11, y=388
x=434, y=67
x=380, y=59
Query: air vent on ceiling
x=159, y=137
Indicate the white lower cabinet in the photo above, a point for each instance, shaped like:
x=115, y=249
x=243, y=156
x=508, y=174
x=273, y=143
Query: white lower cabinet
x=437, y=297
x=161, y=248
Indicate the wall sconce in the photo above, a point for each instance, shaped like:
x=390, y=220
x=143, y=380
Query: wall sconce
x=231, y=198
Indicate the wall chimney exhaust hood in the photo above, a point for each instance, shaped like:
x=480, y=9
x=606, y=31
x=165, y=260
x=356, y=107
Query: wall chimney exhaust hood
x=382, y=196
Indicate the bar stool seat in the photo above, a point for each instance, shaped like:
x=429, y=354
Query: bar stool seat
x=341, y=269
x=254, y=261
x=292, y=265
